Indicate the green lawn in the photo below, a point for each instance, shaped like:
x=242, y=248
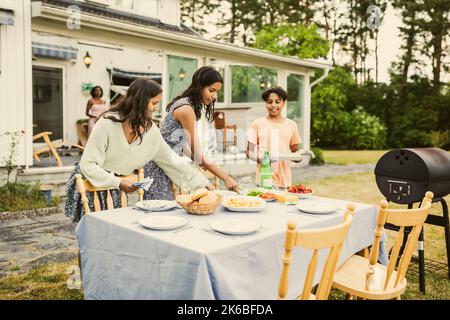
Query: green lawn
x=344, y=157
x=50, y=282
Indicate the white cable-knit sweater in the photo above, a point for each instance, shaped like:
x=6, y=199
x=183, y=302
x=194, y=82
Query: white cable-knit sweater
x=108, y=154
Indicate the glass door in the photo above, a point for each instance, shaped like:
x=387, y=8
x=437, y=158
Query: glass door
x=48, y=101
x=181, y=70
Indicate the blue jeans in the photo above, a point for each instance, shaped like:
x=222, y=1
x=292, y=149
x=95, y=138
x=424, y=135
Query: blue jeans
x=383, y=254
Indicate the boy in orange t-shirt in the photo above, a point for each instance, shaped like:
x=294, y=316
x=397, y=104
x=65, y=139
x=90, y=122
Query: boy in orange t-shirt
x=276, y=134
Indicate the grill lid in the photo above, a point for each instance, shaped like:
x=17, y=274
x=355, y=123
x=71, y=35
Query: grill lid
x=420, y=164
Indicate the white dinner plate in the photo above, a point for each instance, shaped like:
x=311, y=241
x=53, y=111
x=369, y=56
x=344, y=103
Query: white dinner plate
x=316, y=207
x=163, y=222
x=261, y=207
x=236, y=227
x=156, y=205
x=288, y=157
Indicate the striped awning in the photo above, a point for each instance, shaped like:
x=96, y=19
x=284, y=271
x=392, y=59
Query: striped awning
x=6, y=17
x=54, y=51
x=133, y=74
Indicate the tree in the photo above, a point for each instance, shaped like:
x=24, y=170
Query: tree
x=409, y=33
x=193, y=13
x=292, y=40
x=239, y=19
x=355, y=33
x=330, y=20
x=300, y=11
x=434, y=22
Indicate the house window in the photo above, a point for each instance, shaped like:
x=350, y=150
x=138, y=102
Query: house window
x=125, y=4
x=248, y=82
x=295, y=86
x=181, y=70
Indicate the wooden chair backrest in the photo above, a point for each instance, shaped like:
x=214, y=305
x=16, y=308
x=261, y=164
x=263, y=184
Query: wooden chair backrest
x=315, y=239
x=84, y=186
x=402, y=218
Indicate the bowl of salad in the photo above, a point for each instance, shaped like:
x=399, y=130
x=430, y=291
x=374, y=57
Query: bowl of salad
x=262, y=193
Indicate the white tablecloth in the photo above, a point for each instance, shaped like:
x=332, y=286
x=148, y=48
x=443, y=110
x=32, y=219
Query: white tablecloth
x=122, y=260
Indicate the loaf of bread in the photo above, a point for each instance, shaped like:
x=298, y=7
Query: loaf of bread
x=210, y=198
x=199, y=193
x=185, y=199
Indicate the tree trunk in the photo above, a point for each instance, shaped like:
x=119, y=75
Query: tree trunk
x=376, y=56
x=437, y=62
x=233, y=21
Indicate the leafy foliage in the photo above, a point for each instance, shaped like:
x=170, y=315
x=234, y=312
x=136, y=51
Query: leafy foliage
x=17, y=197
x=293, y=40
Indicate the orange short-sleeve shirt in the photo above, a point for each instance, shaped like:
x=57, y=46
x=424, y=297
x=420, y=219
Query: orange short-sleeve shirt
x=276, y=137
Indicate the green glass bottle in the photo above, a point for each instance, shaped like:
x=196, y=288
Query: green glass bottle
x=265, y=173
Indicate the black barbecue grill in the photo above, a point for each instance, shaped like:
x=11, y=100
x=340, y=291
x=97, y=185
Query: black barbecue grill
x=404, y=176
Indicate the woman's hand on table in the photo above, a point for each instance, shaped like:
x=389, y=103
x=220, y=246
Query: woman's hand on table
x=127, y=186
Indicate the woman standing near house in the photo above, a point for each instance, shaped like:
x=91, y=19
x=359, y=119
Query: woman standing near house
x=123, y=140
x=95, y=107
x=179, y=131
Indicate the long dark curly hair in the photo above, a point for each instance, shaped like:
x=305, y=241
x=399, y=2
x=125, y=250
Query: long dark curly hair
x=203, y=77
x=134, y=106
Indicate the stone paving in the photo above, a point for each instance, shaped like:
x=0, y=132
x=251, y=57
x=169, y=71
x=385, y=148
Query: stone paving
x=32, y=242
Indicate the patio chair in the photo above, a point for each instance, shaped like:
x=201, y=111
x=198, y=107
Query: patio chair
x=330, y=238
x=47, y=147
x=220, y=124
x=363, y=277
x=50, y=147
x=84, y=186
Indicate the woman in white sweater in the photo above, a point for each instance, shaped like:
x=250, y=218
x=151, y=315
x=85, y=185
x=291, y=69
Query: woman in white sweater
x=125, y=139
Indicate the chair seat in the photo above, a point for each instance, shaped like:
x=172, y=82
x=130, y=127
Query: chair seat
x=351, y=278
x=43, y=147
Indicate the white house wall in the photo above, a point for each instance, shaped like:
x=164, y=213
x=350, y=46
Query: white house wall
x=15, y=79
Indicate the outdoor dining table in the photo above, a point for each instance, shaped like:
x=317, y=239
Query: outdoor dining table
x=120, y=259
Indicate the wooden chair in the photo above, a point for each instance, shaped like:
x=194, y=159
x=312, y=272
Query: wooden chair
x=364, y=277
x=51, y=147
x=220, y=123
x=315, y=239
x=47, y=147
x=206, y=173
x=84, y=186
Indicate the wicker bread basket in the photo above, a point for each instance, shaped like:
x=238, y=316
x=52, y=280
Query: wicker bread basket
x=202, y=209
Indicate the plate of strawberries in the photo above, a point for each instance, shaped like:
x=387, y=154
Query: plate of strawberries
x=300, y=191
